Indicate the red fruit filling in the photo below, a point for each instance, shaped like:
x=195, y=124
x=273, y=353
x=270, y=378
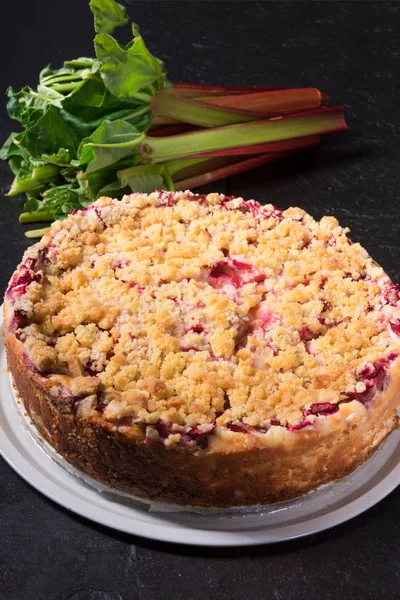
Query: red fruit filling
x=395, y=327
x=89, y=368
x=321, y=408
x=306, y=334
x=20, y=282
x=31, y=263
x=265, y=317
x=307, y=347
x=234, y=272
x=391, y=294
x=19, y=321
x=257, y=210
x=374, y=377
x=165, y=198
x=301, y=425
x=238, y=427
x=100, y=404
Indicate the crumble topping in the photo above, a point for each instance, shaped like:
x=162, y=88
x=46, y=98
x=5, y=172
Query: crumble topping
x=184, y=312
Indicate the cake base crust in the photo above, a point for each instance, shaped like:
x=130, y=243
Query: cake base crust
x=237, y=470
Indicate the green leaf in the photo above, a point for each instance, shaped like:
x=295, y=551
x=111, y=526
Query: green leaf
x=95, y=182
x=19, y=102
x=62, y=157
x=114, y=190
x=17, y=157
x=48, y=135
x=143, y=178
x=87, y=106
x=108, y=144
x=58, y=201
x=83, y=62
x=30, y=116
x=10, y=148
x=127, y=70
x=108, y=15
x=31, y=205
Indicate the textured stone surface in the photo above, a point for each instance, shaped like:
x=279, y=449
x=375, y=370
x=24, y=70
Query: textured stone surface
x=351, y=51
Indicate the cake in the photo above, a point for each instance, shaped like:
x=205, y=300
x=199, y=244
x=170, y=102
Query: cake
x=205, y=350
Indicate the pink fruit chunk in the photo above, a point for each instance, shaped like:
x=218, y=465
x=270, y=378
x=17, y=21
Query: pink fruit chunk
x=374, y=377
x=257, y=210
x=307, y=347
x=197, y=328
x=199, y=436
x=163, y=428
x=307, y=335
x=82, y=210
x=265, y=318
x=164, y=198
x=391, y=294
x=100, y=404
x=395, y=327
x=326, y=305
x=20, y=282
x=89, y=368
x=276, y=422
x=195, y=431
x=247, y=273
x=19, y=320
x=364, y=396
x=234, y=272
x=238, y=427
x=222, y=275
x=321, y=408
x=31, y=263
x=301, y=425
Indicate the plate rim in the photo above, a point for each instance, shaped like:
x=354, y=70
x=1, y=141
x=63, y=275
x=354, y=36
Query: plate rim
x=172, y=533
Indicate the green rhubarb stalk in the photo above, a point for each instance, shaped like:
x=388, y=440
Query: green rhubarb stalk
x=33, y=217
x=234, y=139
x=25, y=186
x=192, y=111
x=45, y=172
x=36, y=233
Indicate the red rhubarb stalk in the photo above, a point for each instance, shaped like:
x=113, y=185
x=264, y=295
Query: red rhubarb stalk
x=230, y=170
x=195, y=90
x=271, y=102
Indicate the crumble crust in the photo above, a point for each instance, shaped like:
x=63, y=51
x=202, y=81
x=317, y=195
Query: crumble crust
x=184, y=312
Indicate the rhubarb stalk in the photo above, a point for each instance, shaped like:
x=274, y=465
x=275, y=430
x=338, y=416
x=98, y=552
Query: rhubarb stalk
x=269, y=134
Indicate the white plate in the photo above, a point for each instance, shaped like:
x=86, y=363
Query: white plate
x=331, y=505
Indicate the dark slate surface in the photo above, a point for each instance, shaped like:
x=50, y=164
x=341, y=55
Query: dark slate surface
x=351, y=51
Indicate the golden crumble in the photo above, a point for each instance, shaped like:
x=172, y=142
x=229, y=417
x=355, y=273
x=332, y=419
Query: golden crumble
x=184, y=312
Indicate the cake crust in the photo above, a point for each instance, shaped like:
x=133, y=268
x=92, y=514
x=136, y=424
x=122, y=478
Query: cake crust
x=217, y=459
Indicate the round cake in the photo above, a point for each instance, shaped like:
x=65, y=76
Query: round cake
x=204, y=350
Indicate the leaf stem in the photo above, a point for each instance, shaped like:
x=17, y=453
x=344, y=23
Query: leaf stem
x=33, y=217
x=36, y=233
x=238, y=139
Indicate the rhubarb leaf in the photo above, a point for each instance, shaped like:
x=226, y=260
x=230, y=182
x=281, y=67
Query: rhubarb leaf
x=108, y=15
x=58, y=201
x=108, y=144
x=127, y=70
x=48, y=135
x=143, y=178
x=87, y=106
x=61, y=158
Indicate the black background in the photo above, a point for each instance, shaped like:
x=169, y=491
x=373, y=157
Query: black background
x=351, y=50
